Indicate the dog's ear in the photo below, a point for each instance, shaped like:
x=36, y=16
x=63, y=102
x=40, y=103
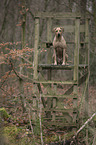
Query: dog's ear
x=62, y=28
x=54, y=30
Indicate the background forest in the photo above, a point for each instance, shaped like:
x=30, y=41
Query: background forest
x=17, y=25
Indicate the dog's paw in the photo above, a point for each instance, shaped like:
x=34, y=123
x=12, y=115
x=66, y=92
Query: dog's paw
x=55, y=63
x=63, y=63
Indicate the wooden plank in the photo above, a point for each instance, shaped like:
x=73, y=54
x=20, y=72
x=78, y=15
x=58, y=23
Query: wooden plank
x=43, y=44
x=82, y=28
x=49, y=30
x=53, y=67
x=34, y=106
x=50, y=66
x=36, y=42
x=57, y=15
x=87, y=46
x=82, y=79
x=60, y=67
x=49, y=61
x=59, y=123
x=57, y=96
x=82, y=66
x=58, y=110
x=56, y=82
x=49, y=39
x=76, y=50
x=69, y=91
x=76, y=63
x=71, y=28
x=60, y=15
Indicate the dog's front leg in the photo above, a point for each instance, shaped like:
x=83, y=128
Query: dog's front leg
x=55, y=62
x=63, y=57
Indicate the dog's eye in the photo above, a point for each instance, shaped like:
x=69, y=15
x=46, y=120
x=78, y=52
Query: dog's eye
x=56, y=30
x=59, y=30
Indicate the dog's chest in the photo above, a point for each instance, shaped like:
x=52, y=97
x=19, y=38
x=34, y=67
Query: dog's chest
x=59, y=43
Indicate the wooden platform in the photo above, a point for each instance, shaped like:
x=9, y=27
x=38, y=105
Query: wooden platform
x=60, y=67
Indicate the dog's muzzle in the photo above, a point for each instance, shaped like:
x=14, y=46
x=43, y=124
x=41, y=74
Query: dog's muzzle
x=58, y=34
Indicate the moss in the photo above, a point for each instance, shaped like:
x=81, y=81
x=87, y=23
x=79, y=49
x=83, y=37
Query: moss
x=10, y=133
x=4, y=114
x=17, y=136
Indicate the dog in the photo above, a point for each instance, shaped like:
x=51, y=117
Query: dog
x=59, y=45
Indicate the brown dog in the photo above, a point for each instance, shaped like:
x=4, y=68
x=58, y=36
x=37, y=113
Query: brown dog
x=59, y=45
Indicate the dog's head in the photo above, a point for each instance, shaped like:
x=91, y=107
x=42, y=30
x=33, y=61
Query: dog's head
x=58, y=31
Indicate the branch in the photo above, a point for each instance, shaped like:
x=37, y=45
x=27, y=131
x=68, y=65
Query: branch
x=31, y=125
x=40, y=108
x=5, y=79
x=85, y=123
x=25, y=59
x=74, y=137
x=14, y=70
x=83, y=127
x=31, y=14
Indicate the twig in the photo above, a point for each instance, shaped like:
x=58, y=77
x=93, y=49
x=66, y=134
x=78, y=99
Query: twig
x=40, y=121
x=94, y=140
x=31, y=14
x=25, y=59
x=14, y=69
x=31, y=125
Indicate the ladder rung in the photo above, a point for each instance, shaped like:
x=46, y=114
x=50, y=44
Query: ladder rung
x=57, y=96
x=56, y=82
x=59, y=110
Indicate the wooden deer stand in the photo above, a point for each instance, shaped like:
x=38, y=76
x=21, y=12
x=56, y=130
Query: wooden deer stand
x=55, y=112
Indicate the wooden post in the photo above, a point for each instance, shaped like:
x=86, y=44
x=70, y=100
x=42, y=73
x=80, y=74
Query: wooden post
x=36, y=41
x=54, y=105
x=34, y=105
x=49, y=39
x=76, y=63
x=87, y=45
x=87, y=39
x=49, y=61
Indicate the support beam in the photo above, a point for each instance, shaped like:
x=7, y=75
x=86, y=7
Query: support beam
x=87, y=46
x=49, y=39
x=36, y=41
x=76, y=63
x=77, y=46
x=49, y=61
